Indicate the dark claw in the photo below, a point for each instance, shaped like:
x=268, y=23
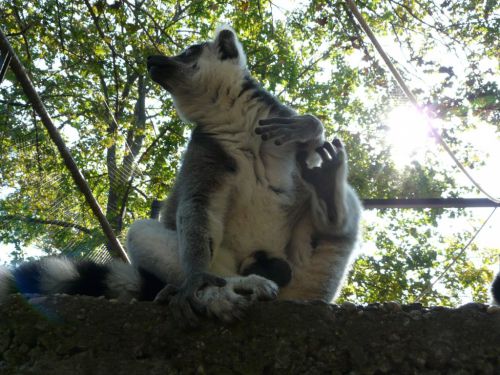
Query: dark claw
x=165, y=295
x=183, y=313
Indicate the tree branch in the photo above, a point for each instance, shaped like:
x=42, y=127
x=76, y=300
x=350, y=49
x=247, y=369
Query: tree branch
x=103, y=36
x=35, y=220
x=17, y=67
x=14, y=104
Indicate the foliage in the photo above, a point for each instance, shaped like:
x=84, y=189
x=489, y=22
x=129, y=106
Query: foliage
x=413, y=261
x=88, y=62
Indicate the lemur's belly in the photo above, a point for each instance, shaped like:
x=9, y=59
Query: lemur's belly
x=261, y=223
x=260, y=204
x=258, y=215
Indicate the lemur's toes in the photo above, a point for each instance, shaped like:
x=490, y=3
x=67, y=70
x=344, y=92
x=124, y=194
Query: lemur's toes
x=325, y=156
x=183, y=312
x=331, y=150
x=165, y=295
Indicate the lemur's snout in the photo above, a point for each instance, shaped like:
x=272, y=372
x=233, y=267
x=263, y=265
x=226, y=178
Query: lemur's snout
x=161, y=69
x=158, y=61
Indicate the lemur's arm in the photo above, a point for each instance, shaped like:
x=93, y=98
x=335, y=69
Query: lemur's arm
x=323, y=241
x=305, y=131
x=199, y=210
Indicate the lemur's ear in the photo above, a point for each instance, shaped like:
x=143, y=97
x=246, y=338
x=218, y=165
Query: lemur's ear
x=228, y=45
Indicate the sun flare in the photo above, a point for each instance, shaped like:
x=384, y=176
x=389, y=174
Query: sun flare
x=408, y=134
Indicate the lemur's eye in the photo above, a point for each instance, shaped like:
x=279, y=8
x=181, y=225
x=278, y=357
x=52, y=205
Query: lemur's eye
x=193, y=49
x=192, y=52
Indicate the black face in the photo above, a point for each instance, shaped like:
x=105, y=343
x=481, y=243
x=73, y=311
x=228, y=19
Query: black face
x=163, y=69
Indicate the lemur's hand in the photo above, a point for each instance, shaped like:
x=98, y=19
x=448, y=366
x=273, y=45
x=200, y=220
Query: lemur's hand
x=283, y=130
x=183, y=301
x=331, y=174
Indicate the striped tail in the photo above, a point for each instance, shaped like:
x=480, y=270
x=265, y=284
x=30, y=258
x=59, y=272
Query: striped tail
x=62, y=275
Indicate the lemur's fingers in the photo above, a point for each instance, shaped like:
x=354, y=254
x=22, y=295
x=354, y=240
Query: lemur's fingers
x=182, y=312
x=214, y=280
x=330, y=149
x=277, y=120
x=269, y=134
x=166, y=294
x=336, y=150
x=267, y=128
x=283, y=135
x=341, y=154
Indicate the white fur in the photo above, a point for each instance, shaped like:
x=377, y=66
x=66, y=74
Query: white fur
x=55, y=273
x=123, y=281
x=6, y=280
x=151, y=246
x=242, y=58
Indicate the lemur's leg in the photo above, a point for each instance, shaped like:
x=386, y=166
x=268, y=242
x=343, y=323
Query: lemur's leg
x=199, y=232
x=306, y=130
x=154, y=248
x=282, y=138
x=323, y=241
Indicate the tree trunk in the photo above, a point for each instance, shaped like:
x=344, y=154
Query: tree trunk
x=84, y=335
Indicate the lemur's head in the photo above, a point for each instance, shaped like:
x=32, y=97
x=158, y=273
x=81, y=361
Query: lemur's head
x=204, y=75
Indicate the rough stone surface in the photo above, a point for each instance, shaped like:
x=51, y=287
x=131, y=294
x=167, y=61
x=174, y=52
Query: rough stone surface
x=83, y=335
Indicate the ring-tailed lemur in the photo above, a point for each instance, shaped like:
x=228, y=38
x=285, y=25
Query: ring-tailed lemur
x=244, y=201
x=247, y=214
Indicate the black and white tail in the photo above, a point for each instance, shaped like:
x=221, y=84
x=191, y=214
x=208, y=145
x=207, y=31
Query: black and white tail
x=62, y=275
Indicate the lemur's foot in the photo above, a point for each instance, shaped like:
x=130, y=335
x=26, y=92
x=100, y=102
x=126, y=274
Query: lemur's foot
x=333, y=168
x=183, y=301
x=226, y=299
x=230, y=302
x=333, y=153
x=330, y=178
x=283, y=130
